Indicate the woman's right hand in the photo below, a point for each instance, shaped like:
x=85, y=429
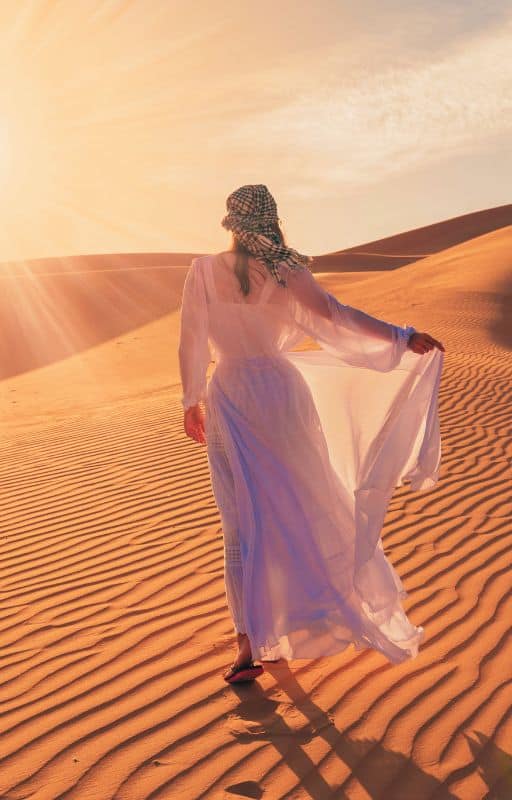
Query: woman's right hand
x=422, y=342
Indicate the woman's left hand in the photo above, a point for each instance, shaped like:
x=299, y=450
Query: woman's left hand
x=194, y=423
x=423, y=342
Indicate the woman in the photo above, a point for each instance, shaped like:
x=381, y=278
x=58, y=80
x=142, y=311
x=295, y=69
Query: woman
x=304, y=448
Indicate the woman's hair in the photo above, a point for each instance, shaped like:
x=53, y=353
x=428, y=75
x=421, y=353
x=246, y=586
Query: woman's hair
x=242, y=258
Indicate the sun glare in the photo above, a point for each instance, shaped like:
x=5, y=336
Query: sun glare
x=5, y=152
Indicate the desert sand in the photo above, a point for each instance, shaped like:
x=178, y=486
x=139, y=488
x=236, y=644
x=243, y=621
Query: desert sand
x=115, y=629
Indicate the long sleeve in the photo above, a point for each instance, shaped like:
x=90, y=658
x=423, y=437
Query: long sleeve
x=354, y=336
x=193, y=350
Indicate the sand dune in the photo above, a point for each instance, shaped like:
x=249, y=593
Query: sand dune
x=115, y=629
x=405, y=248
x=50, y=316
x=53, y=308
x=95, y=262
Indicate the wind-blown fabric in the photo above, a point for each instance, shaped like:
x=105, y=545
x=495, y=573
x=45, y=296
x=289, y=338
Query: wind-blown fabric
x=252, y=215
x=315, y=443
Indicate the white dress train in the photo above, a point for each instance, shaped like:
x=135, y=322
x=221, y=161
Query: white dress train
x=305, y=450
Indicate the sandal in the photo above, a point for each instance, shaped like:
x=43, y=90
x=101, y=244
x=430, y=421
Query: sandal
x=242, y=673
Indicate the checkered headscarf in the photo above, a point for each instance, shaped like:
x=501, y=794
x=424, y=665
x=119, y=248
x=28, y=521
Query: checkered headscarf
x=252, y=213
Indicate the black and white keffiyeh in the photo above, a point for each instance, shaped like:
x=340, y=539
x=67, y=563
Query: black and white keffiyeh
x=252, y=215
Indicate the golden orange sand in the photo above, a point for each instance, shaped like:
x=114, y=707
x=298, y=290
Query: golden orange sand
x=115, y=629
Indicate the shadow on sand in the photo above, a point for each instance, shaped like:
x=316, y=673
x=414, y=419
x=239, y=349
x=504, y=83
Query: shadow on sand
x=384, y=774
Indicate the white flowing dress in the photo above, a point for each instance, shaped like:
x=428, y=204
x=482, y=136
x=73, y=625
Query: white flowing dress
x=305, y=450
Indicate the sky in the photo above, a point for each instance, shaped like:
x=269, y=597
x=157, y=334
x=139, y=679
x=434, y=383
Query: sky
x=124, y=124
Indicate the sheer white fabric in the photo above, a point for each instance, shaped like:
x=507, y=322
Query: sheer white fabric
x=305, y=449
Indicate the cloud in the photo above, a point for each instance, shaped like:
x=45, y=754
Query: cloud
x=389, y=122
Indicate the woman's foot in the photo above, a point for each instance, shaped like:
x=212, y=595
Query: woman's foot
x=244, y=650
x=243, y=668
